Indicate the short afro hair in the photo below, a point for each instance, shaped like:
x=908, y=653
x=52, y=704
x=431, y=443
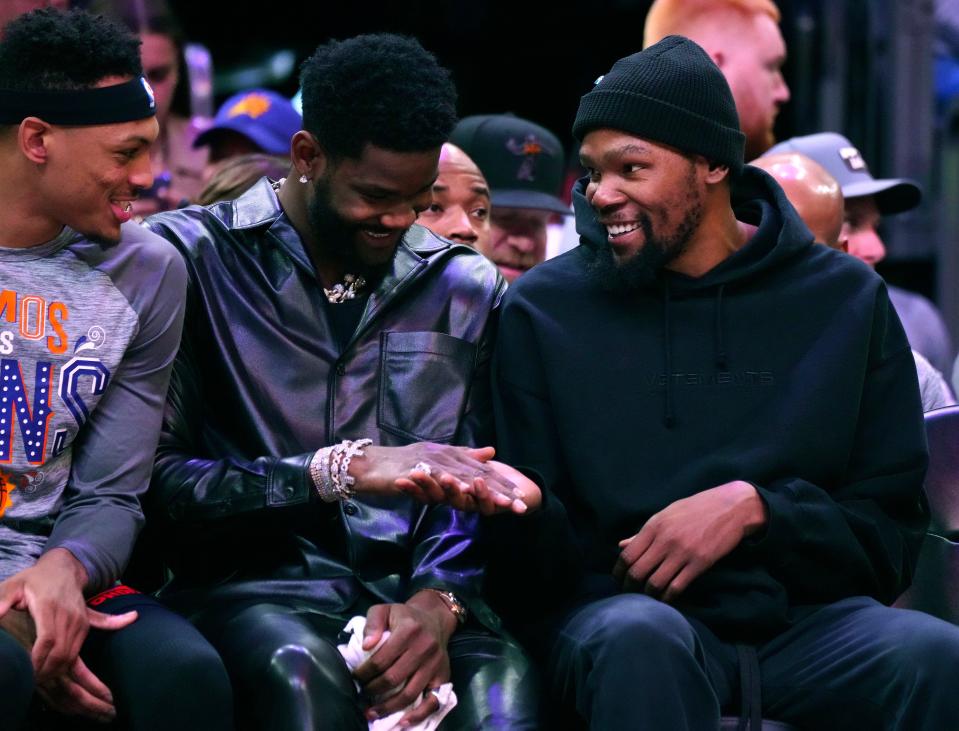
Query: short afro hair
x=51, y=50
x=382, y=89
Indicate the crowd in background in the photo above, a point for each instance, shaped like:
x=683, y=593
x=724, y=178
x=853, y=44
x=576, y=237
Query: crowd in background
x=525, y=217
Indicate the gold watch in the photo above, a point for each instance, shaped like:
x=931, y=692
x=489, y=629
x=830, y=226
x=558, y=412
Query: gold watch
x=453, y=603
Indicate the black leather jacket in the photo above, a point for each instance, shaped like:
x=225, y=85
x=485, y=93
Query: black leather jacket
x=260, y=384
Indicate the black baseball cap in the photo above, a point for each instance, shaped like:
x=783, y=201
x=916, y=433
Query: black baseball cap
x=522, y=161
x=844, y=162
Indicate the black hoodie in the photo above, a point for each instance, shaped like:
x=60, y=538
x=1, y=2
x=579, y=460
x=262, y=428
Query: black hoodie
x=784, y=366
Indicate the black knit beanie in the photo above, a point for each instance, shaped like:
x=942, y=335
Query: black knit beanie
x=672, y=93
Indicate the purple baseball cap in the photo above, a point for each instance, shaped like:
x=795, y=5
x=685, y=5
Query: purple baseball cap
x=268, y=119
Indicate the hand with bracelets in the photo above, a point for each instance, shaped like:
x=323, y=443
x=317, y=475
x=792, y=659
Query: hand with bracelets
x=462, y=477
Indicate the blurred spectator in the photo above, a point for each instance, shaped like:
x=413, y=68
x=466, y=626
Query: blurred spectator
x=743, y=38
x=460, y=210
x=257, y=120
x=177, y=166
x=933, y=389
x=233, y=177
x=946, y=53
x=10, y=9
x=523, y=164
x=817, y=198
x=814, y=193
x=868, y=198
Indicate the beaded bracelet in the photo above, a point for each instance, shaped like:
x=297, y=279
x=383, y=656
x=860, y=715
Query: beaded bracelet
x=330, y=469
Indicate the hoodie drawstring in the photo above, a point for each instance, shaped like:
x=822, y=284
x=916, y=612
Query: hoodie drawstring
x=750, y=690
x=668, y=419
x=721, y=360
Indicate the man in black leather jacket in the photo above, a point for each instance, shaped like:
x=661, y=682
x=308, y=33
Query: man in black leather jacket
x=270, y=370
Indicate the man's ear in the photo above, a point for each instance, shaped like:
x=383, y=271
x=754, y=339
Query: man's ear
x=716, y=173
x=308, y=156
x=718, y=57
x=33, y=139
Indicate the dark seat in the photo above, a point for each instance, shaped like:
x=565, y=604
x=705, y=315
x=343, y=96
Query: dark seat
x=935, y=586
x=728, y=723
x=942, y=478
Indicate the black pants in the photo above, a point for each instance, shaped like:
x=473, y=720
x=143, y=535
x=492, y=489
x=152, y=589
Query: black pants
x=16, y=680
x=288, y=674
x=163, y=674
x=631, y=662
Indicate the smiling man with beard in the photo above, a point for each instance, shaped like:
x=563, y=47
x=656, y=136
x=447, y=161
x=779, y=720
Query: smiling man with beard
x=91, y=309
x=726, y=424
x=621, y=267
x=334, y=348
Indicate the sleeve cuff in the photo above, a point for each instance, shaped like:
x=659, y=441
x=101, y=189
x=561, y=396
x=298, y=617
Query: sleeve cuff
x=290, y=482
x=98, y=577
x=771, y=540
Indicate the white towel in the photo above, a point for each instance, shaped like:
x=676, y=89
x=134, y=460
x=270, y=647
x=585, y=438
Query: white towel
x=355, y=655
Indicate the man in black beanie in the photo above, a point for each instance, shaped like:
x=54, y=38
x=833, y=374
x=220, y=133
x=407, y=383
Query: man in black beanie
x=727, y=430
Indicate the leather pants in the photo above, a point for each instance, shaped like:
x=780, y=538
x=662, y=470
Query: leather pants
x=287, y=674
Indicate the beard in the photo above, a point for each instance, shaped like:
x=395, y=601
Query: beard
x=643, y=268
x=336, y=236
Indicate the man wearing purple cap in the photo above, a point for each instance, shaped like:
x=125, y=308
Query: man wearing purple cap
x=867, y=199
x=258, y=120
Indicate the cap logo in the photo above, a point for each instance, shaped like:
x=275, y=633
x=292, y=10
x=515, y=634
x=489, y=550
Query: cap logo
x=528, y=149
x=252, y=105
x=149, y=90
x=852, y=158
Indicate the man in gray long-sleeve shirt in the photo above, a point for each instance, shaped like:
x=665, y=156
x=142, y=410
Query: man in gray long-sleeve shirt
x=90, y=319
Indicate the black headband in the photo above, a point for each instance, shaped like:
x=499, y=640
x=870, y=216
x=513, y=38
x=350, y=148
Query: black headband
x=124, y=102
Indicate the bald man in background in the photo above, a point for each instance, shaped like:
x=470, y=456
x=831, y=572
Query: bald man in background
x=743, y=38
x=817, y=197
x=460, y=210
x=813, y=192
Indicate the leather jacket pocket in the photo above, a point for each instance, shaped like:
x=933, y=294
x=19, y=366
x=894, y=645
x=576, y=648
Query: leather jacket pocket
x=424, y=382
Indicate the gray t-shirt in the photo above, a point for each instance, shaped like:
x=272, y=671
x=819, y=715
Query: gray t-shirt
x=924, y=326
x=933, y=388
x=87, y=339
